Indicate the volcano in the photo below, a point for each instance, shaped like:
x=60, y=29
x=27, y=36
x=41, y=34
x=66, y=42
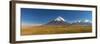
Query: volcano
x=58, y=21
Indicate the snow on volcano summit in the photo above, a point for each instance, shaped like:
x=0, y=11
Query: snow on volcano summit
x=59, y=18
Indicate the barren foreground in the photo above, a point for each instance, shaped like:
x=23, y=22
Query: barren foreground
x=35, y=30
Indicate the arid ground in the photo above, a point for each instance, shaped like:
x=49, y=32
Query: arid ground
x=38, y=30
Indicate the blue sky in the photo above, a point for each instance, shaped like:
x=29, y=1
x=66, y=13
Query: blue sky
x=42, y=16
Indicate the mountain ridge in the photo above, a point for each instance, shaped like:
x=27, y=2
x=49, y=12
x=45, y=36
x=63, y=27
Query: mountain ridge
x=61, y=21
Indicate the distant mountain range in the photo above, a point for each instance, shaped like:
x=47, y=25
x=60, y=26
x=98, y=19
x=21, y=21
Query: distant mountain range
x=82, y=23
x=61, y=21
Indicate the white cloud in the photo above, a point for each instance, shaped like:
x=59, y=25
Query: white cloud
x=28, y=24
x=86, y=20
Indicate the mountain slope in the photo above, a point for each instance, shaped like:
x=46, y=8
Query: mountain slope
x=58, y=21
